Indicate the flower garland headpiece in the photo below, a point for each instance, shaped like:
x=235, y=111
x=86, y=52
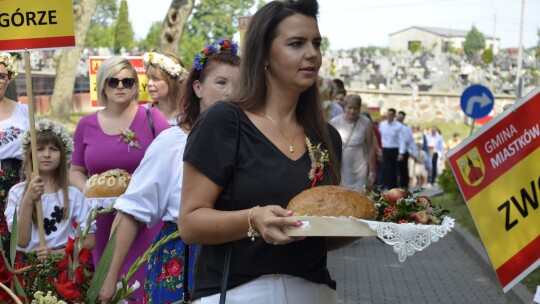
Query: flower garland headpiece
x=9, y=61
x=56, y=128
x=166, y=63
x=223, y=46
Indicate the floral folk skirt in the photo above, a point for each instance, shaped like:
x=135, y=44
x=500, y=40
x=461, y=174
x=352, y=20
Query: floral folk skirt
x=8, y=178
x=165, y=270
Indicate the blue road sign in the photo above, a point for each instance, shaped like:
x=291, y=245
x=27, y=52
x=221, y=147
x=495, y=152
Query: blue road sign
x=477, y=101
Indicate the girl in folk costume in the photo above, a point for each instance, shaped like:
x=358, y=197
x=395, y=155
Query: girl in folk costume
x=62, y=205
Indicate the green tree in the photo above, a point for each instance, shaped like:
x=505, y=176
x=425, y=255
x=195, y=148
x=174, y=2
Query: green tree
x=325, y=44
x=487, y=56
x=151, y=40
x=101, y=30
x=123, y=32
x=415, y=46
x=474, y=42
x=99, y=36
x=210, y=21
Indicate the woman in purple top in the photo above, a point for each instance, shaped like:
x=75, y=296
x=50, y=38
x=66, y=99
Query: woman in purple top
x=115, y=137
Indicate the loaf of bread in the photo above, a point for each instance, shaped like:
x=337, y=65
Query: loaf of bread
x=332, y=201
x=112, y=183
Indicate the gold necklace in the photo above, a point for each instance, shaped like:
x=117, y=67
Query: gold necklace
x=291, y=146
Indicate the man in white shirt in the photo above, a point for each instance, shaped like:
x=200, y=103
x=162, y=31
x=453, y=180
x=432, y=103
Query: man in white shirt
x=393, y=150
x=411, y=150
x=436, y=146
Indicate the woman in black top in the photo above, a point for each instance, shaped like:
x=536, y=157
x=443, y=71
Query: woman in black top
x=244, y=160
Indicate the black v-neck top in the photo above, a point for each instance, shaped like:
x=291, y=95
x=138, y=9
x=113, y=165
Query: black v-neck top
x=264, y=176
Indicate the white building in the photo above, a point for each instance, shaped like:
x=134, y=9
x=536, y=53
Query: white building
x=436, y=39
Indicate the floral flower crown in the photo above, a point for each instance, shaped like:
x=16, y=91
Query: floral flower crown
x=9, y=62
x=57, y=129
x=166, y=63
x=223, y=46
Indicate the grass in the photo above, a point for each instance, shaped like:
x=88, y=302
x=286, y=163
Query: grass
x=459, y=211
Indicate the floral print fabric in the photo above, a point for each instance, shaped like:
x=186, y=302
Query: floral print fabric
x=165, y=270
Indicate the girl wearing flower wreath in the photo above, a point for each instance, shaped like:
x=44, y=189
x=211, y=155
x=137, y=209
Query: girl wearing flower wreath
x=273, y=143
x=154, y=191
x=13, y=123
x=62, y=205
x=115, y=137
x=165, y=74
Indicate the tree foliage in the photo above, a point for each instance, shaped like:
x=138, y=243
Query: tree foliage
x=151, y=40
x=474, y=42
x=415, y=46
x=487, y=56
x=101, y=30
x=123, y=32
x=106, y=13
x=210, y=21
x=325, y=45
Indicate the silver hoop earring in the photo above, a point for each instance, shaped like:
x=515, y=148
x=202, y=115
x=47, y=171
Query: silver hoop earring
x=266, y=67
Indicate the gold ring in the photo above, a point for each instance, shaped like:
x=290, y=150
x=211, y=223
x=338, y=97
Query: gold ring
x=276, y=243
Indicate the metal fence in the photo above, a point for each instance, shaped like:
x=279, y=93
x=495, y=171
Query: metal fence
x=44, y=84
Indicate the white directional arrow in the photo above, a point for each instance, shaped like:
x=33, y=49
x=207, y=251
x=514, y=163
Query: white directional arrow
x=482, y=100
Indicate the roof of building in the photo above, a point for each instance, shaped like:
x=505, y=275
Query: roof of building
x=445, y=32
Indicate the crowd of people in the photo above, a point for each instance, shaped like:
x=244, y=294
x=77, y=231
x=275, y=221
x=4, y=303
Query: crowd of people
x=230, y=210
x=388, y=153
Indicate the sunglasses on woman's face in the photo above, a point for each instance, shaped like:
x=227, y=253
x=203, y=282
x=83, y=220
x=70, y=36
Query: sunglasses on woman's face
x=126, y=82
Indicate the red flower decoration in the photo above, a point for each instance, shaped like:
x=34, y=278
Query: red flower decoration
x=84, y=255
x=5, y=274
x=68, y=290
x=78, y=275
x=75, y=224
x=70, y=246
x=3, y=225
x=64, y=263
x=174, y=267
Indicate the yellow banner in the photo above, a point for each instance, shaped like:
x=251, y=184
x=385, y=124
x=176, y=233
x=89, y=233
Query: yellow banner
x=505, y=211
x=35, y=19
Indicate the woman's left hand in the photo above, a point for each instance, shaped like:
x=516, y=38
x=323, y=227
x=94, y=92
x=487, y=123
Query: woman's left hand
x=270, y=221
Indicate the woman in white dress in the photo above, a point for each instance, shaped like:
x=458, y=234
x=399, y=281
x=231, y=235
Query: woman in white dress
x=358, y=160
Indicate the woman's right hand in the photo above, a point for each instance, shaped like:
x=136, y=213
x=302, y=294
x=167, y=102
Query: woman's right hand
x=270, y=221
x=35, y=189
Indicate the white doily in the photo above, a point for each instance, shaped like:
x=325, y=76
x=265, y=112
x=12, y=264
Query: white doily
x=101, y=202
x=408, y=238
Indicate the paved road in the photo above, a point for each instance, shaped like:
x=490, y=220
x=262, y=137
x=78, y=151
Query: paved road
x=368, y=271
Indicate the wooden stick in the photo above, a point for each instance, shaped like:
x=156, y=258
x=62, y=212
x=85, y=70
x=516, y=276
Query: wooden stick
x=33, y=142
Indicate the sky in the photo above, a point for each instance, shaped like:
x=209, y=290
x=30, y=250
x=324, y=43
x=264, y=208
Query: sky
x=359, y=23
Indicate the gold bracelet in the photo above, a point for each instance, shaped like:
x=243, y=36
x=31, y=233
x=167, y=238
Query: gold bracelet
x=252, y=232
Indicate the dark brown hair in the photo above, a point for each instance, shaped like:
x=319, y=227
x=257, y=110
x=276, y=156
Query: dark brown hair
x=252, y=89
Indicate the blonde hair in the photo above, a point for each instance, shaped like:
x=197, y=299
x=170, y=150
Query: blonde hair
x=111, y=67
